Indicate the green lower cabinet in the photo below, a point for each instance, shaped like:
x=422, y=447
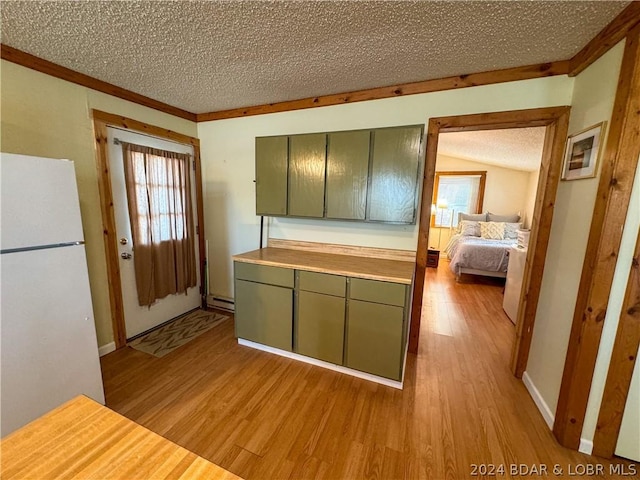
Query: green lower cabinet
x=264, y=314
x=374, y=338
x=320, y=326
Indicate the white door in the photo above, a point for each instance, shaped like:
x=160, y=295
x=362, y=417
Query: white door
x=138, y=318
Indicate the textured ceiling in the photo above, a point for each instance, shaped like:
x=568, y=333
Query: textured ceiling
x=519, y=148
x=207, y=56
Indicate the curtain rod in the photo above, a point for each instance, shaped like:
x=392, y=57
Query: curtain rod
x=143, y=134
x=117, y=141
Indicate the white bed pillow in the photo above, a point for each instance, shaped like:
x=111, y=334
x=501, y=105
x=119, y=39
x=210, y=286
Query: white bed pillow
x=469, y=228
x=511, y=230
x=492, y=230
x=474, y=217
x=492, y=217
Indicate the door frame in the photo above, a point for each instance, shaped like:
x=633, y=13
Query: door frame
x=617, y=176
x=556, y=121
x=102, y=120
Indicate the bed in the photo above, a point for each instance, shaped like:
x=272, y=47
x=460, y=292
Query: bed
x=478, y=256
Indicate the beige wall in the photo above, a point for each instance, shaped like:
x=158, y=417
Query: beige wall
x=592, y=102
x=506, y=190
x=44, y=116
x=228, y=149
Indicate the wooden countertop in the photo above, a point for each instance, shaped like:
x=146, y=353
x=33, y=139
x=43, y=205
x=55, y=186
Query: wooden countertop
x=82, y=439
x=348, y=265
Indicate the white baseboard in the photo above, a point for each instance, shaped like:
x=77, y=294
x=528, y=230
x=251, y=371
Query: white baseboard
x=546, y=412
x=320, y=363
x=586, y=446
x=108, y=348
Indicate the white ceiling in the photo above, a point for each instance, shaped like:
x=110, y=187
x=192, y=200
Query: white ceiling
x=518, y=148
x=205, y=56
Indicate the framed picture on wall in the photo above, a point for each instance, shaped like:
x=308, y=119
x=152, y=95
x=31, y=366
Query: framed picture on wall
x=583, y=150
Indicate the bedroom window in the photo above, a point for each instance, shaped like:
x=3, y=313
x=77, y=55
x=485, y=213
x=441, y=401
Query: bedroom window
x=456, y=192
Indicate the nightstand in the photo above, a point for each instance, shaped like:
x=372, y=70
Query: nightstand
x=433, y=257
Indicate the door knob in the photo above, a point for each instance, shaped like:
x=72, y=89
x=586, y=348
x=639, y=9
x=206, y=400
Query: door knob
x=125, y=256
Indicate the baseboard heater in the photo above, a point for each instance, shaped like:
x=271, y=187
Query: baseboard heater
x=221, y=303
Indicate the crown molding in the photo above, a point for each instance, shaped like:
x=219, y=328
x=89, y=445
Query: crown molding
x=435, y=85
x=45, y=66
x=608, y=37
x=613, y=33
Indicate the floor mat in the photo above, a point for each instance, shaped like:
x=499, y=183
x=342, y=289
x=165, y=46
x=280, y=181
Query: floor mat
x=175, y=334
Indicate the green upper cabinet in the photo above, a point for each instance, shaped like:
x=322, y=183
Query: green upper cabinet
x=347, y=174
x=365, y=175
x=395, y=162
x=271, y=175
x=307, y=164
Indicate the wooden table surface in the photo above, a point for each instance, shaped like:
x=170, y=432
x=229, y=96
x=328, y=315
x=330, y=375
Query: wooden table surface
x=348, y=265
x=82, y=439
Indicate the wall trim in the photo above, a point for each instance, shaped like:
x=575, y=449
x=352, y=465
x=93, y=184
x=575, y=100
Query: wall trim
x=586, y=446
x=320, y=363
x=608, y=218
x=621, y=366
x=608, y=37
x=546, y=412
x=427, y=86
x=108, y=348
x=25, y=59
x=614, y=32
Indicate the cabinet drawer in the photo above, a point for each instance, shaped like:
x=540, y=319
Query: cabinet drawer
x=322, y=283
x=379, y=292
x=264, y=274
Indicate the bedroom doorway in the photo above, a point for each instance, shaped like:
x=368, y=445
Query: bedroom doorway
x=483, y=200
x=555, y=122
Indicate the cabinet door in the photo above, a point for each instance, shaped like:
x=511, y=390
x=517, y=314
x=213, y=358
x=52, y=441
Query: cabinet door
x=347, y=174
x=374, y=338
x=264, y=314
x=394, y=174
x=320, y=326
x=271, y=175
x=307, y=163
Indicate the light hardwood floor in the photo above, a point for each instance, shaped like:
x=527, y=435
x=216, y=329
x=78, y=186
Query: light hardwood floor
x=265, y=417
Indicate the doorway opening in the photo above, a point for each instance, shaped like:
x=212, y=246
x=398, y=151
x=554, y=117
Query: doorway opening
x=161, y=194
x=555, y=121
x=129, y=319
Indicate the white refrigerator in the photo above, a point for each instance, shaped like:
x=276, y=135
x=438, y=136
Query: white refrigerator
x=48, y=346
x=513, y=285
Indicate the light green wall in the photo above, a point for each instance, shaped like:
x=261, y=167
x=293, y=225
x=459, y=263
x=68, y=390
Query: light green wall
x=593, y=97
x=228, y=145
x=45, y=116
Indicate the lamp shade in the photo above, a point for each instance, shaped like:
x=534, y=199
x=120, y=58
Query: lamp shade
x=442, y=203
